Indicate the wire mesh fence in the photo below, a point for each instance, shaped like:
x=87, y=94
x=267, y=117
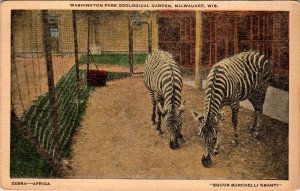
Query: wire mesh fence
x=50, y=50
x=48, y=92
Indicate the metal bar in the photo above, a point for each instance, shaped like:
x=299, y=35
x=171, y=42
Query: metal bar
x=90, y=53
x=130, y=40
x=76, y=54
x=89, y=43
x=52, y=99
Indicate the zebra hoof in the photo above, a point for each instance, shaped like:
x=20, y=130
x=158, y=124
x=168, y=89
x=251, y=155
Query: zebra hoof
x=206, y=161
x=252, y=129
x=174, y=145
x=256, y=135
x=234, y=142
x=158, y=132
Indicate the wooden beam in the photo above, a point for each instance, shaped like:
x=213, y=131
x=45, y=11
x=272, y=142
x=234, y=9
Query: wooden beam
x=154, y=32
x=251, y=32
x=235, y=36
x=198, y=51
x=215, y=40
x=76, y=54
x=51, y=86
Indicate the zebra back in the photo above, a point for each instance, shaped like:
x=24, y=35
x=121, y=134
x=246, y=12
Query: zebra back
x=163, y=76
x=235, y=79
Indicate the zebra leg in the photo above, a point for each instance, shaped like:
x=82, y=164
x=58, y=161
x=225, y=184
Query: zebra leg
x=257, y=101
x=153, y=116
x=158, y=128
x=216, y=148
x=255, y=129
x=235, y=110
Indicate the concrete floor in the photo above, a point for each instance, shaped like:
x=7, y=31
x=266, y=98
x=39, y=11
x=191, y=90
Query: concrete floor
x=276, y=104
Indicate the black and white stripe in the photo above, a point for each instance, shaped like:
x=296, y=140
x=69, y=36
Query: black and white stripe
x=163, y=79
x=240, y=77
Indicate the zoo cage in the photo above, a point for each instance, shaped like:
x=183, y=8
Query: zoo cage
x=48, y=93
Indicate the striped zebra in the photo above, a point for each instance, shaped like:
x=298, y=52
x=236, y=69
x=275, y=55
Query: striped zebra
x=240, y=77
x=163, y=79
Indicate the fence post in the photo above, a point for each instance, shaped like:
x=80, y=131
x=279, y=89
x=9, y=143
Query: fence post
x=130, y=41
x=198, y=53
x=52, y=97
x=150, y=37
x=88, y=46
x=76, y=54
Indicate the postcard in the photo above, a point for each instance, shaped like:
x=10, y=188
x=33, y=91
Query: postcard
x=150, y=95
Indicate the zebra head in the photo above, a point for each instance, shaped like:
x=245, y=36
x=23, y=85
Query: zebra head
x=173, y=121
x=208, y=133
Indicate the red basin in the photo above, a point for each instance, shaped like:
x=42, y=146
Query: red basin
x=97, y=77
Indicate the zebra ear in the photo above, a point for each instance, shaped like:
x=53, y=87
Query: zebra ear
x=198, y=117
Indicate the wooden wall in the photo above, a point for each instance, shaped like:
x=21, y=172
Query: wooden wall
x=228, y=33
x=109, y=30
x=176, y=34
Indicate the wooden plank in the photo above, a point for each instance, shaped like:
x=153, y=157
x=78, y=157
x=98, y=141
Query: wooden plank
x=251, y=31
x=215, y=41
x=273, y=44
x=198, y=50
x=235, y=37
x=258, y=27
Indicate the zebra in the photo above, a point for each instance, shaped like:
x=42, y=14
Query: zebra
x=234, y=79
x=163, y=79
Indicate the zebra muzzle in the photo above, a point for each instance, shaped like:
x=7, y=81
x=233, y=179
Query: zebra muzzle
x=206, y=161
x=174, y=144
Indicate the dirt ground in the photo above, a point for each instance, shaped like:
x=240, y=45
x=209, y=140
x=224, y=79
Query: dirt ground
x=138, y=68
x=116, y=140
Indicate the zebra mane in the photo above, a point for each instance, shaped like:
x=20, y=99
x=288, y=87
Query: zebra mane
x=173, y=89
x=169, y=59
x=210, y=93
x=207, y=134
